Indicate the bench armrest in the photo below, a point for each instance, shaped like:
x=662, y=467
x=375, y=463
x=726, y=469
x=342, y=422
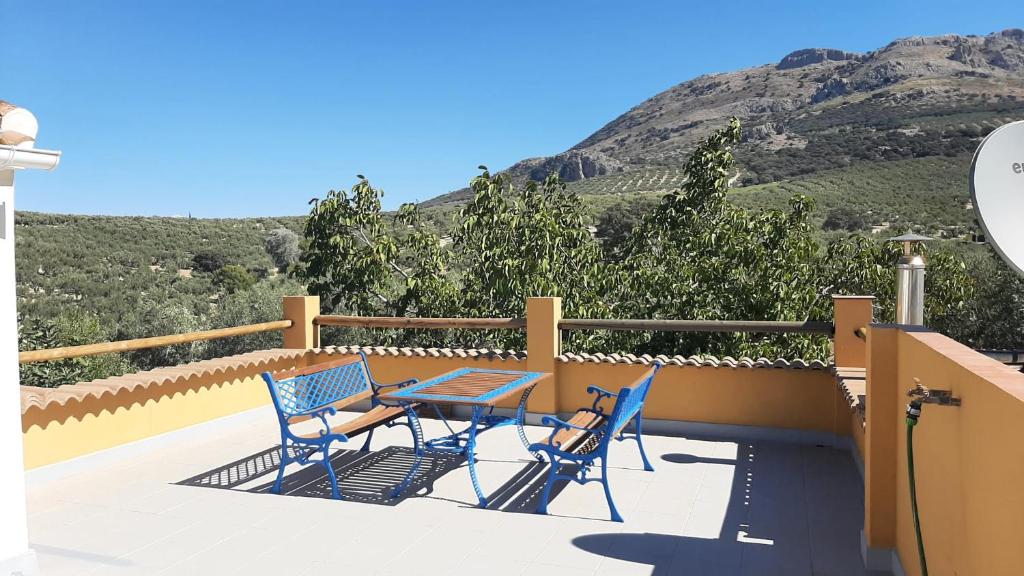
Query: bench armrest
x=319, y=413
x=601, y=395
x=558, y=426
x=375, y=400
x=402, y=384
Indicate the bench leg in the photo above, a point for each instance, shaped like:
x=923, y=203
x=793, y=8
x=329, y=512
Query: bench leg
x=640, y=442
x=330, y=471
x=366, y=445
x=276, y=488
x=616, y=517
x=542, y=508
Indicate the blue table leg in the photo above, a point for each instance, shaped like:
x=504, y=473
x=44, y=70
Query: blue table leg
x=521, y=421
x=471, y=454
x=417, y=442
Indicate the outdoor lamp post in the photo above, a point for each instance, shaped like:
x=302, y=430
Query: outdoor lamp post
x=910, y=269
x=18, y=129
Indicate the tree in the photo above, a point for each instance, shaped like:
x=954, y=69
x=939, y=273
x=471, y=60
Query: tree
x=161, y=319
x=616, y=224
x=844, y=218
x=259, y=303
x=527, y=241
x=232, y=278
x=209, y=261
x=697, y=256
x=70, y=328
x=283, y=247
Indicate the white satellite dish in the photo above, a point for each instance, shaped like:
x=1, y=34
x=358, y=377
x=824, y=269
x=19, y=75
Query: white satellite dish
x=997, y=188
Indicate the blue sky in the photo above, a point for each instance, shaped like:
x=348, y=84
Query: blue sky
x=224, y=109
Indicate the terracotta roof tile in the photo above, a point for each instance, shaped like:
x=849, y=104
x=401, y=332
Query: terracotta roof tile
x=474, y=353
x=705, y=361
x=41, y=398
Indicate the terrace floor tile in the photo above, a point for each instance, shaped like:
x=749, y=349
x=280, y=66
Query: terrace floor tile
x=712, y=506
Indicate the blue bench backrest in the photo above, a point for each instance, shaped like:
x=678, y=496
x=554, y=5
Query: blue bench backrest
x=306, y=389
x=631, y=400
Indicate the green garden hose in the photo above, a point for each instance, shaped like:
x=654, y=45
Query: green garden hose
x=913, y=413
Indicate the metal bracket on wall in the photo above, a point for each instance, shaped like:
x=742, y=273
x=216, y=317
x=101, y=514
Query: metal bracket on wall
x=3, y=220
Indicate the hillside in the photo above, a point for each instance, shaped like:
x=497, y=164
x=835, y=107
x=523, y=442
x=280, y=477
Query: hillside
x=815, y=110
x=97, y=262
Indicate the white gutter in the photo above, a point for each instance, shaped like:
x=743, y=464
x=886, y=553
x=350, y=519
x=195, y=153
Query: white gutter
x=12, y=157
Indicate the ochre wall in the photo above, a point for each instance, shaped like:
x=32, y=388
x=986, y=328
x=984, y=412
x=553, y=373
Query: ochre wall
x=770, y=397
x=969, y=460
x=85, y=423
x=802, y=399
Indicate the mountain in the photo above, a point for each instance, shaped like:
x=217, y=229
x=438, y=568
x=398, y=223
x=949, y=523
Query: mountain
x=816, y=110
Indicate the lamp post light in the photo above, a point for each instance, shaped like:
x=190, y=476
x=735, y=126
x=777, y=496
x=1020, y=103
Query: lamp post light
x=910, y=270
x=18, y=129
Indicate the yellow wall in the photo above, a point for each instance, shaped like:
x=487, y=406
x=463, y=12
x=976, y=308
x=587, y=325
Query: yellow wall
x=770, y=397
x=76, y=428
x=969, y=460
x=784, y=398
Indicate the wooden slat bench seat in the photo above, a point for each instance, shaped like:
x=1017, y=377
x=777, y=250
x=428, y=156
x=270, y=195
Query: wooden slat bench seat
x=372, y=418
x=569, y=439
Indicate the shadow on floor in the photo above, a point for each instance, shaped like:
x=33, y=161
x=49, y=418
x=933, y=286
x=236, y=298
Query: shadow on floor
x=366, y=477
x=788, y=510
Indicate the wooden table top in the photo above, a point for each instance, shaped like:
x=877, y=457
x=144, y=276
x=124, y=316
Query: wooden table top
x=469, y=386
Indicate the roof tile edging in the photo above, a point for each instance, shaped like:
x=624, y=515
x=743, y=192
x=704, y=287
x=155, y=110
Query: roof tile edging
x=42, y=398
x=695, y=360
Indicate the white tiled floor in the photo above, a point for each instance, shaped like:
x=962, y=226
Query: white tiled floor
x=194, y=504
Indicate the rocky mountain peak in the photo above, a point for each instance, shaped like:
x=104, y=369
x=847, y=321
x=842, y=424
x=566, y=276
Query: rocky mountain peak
x=808, y=56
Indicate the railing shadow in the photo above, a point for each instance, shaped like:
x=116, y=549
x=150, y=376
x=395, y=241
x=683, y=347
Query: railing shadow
x=366, y=477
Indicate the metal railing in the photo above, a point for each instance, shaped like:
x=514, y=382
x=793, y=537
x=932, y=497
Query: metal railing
x=422, y=323
x=30, y=356
x=752, y=326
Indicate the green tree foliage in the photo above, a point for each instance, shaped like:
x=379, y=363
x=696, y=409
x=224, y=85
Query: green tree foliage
x=259, y=303
x=527, y=240
x=844, y=218
x=698, y=256
x=207, y=261
x=283, y=247
x=71, y=328
x=232, y=278
x=351, y=255
x=694, y=255
x=994, y=318
x=163, y=318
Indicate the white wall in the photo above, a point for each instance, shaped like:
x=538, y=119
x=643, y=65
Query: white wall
x=15, y=557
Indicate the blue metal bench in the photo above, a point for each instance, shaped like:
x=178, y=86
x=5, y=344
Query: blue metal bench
x=586, y=436
x=318, y=392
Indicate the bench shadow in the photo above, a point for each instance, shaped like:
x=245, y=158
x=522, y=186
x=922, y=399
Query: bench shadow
x=366, y=477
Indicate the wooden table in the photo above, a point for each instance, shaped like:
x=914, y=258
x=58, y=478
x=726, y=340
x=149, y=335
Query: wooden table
x=477, y=388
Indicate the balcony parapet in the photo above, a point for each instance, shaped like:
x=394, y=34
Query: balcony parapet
x=38, y=398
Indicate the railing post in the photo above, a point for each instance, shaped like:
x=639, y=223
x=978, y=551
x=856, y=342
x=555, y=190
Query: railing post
x=881, y=435
x=301, y=310
x=852, y=313
x=543, y=346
